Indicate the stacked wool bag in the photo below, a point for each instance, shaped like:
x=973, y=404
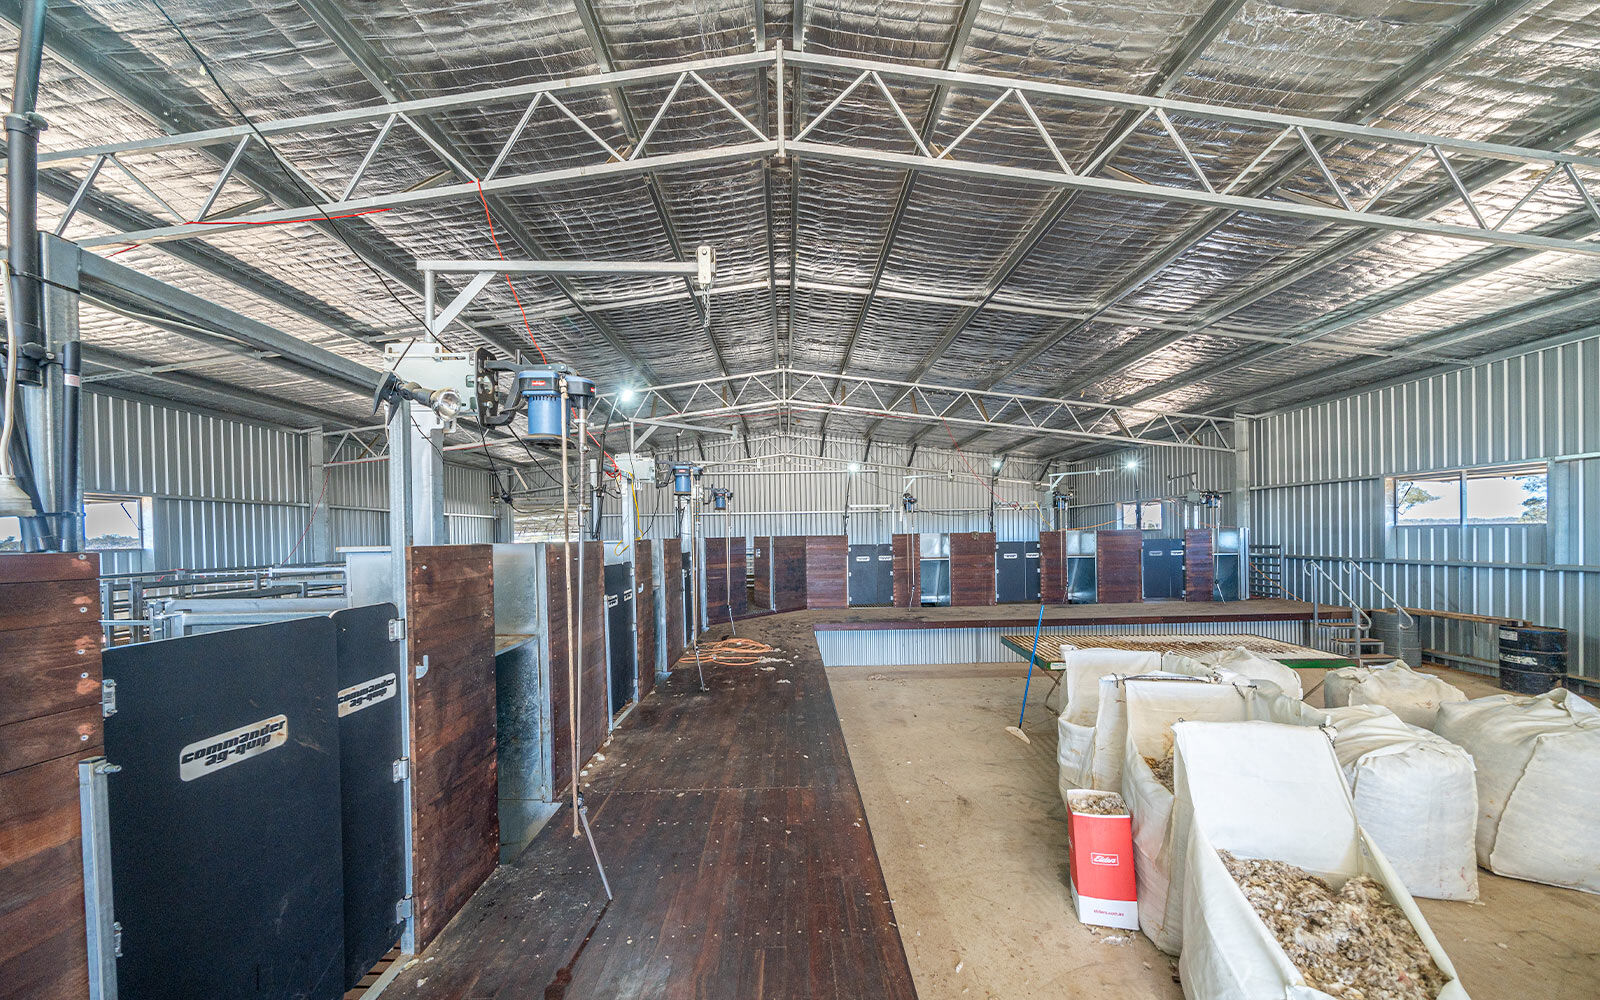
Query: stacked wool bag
x=1416, y=796
x=1244, y=663
x=1264, y=791
x=1075, y=728
x=1414, y=697
x=1538, y=802
x=1152, y=708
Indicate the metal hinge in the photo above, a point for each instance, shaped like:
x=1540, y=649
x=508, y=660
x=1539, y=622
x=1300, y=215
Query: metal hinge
x=116, y=938
x=108, y=697
x=402, y=910
x=401, y=769
x=397, y=629
x=422, y=668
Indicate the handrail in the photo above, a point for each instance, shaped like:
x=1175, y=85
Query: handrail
x=1363, y=620
x=1394, y=602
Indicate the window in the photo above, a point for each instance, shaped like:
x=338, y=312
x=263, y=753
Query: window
x=1146, y=515
x=1508, y=495
x=1432, y=500
x=111, y=523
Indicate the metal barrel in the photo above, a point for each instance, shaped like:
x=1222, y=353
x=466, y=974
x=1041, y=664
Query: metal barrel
x=1399, y=636
x=1533, y=658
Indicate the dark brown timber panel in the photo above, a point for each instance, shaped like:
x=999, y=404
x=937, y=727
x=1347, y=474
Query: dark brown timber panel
x=594, y=717
x=644, y=612
x=734, y=836
x=725, y=576
x=1199, y=569
x=971, y=568
x=49, y=720
x=826, y=557
x=1119, y=577
x=455, y=797
x=761, y=567
x=788, y=572
x=672, y=597
x=907, y=570
x=1053, y=567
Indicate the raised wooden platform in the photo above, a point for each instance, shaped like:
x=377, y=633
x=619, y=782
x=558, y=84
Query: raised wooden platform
x=1287, y=653
x=733, y=832
x=1022, y=616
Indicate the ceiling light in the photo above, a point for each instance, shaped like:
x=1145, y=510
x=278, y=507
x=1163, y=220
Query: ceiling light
x=626, y=396
x=995, y=465
x=855, y=466
x=1131, y=464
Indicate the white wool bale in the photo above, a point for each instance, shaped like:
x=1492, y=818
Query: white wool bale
x=1261, y=790
x=1538, y=805
x=1152, y=708
x=1413, y=696
x=1416, y=796
x=1245, y=663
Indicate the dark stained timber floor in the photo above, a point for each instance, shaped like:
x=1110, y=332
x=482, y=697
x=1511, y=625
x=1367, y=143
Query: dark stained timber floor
x=733, y=833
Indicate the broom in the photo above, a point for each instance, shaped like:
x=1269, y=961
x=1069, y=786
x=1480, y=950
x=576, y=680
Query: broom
x=1016, y=730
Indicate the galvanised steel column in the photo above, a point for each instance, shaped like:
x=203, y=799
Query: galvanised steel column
x=23, y=125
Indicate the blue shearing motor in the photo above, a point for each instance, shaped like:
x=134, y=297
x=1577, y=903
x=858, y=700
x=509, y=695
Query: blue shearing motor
x=720, y=495
x=683, y=480
x=541, y=387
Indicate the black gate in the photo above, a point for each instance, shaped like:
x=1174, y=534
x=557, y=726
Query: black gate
x=620, y=634
x=372, y=800
x=871, y=576
x=225, y=819
x=1016, y=572
x=1162, y=567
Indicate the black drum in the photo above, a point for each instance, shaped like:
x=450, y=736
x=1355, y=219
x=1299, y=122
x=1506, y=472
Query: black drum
x=1533, y=658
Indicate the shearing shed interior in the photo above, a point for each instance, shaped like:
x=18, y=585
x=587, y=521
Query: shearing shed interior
x=740, y=500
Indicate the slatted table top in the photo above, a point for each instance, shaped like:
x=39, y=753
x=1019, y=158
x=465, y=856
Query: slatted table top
x=1288, y=653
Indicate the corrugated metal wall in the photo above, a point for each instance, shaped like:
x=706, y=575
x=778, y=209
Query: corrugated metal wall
x=1319, y=474
x=235, y=493
x=1158, y=474
x=912, y=647
x=785, y=487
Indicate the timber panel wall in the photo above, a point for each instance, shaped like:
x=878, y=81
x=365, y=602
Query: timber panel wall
x=907, y=570
x=455, y=791
x=826, y=557
x=49, y=720
x=1053, y=567
x=1119, y=576
x=725, y=580
x=761, y=586
x=971, y=568
x=594, y=718
x=672, y=580
x=788, y=572
x=644, y=612
x=1199, y=568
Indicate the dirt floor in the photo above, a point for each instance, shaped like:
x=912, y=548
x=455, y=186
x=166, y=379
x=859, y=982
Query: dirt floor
x=971, y=834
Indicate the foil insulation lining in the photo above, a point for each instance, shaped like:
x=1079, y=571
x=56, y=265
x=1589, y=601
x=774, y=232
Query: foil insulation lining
x=817, y=230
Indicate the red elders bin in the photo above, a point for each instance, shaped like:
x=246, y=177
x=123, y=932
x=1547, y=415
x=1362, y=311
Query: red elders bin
x=1100, y=861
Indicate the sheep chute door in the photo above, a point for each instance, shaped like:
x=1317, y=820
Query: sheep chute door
x=225, y=819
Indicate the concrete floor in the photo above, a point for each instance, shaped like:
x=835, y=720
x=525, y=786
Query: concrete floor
x=971, y=834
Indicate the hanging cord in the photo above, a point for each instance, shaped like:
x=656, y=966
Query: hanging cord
x=727, y=570
x=573, y=679
x=11, y=371
x=694, y=595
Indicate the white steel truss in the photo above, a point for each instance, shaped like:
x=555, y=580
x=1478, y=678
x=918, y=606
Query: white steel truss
x=793, y=390
x=1264, y=139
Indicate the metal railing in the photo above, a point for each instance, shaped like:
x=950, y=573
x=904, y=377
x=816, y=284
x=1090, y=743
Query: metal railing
x=1360, y=621
x=127, y=600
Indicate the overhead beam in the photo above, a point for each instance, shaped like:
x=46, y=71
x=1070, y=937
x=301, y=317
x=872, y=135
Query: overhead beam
x=331, y=18
x=1476, y=27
